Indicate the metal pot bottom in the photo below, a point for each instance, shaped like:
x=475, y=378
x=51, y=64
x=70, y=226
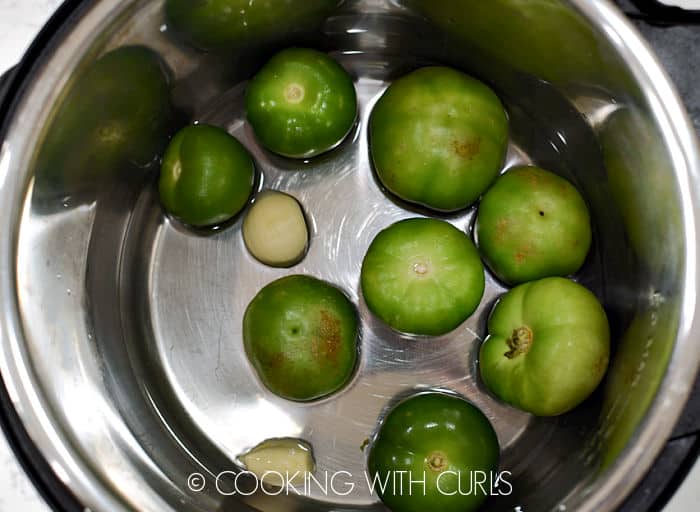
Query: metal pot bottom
x=184, y=294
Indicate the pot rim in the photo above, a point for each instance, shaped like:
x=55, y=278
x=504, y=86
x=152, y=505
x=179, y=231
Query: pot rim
x=614, y=484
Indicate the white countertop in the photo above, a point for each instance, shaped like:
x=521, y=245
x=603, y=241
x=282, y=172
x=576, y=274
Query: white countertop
x=20, y=20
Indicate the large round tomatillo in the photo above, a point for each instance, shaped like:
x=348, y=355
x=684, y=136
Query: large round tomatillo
x=533, y=224
x=548, y=346
x=300, y=334
x=429, y=451
x=301, y=103
x=422, y=276
x=207, y=176
x=438, y=138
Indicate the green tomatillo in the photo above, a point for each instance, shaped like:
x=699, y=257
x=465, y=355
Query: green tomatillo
x=429, y=453
x=301, y=103
x=547, y=348
x=301, y=336
x=422, y=276
x=438, y=138
x=207, y=176
x=533, y=224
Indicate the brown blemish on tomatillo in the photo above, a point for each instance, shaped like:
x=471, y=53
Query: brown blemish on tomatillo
x=523, y=253
x=329, y=334
x=534, y=180
x=519, y=342
x=436, y=462
x=502, y=229
x=275, y=361
x=467, y=148
x=600, y=365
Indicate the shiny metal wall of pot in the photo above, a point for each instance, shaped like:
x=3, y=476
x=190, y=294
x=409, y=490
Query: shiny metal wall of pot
x=119, y=332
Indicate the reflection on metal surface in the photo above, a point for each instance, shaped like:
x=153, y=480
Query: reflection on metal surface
x=121, y=328
x=545, y=38
x=232, y=25
x=106, y=131
x=638, y=171
x=636, y=373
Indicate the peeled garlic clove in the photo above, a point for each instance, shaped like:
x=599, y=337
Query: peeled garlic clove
x=280, y=461
x=275, y=230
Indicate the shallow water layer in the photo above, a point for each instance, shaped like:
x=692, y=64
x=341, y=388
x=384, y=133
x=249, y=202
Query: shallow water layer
x=196, y=287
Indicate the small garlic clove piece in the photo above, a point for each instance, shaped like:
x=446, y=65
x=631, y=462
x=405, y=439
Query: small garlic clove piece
x=278, y=462
x=275, y=230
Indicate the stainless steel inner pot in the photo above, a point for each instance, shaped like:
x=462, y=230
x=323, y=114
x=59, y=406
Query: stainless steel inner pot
x=121, y=329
